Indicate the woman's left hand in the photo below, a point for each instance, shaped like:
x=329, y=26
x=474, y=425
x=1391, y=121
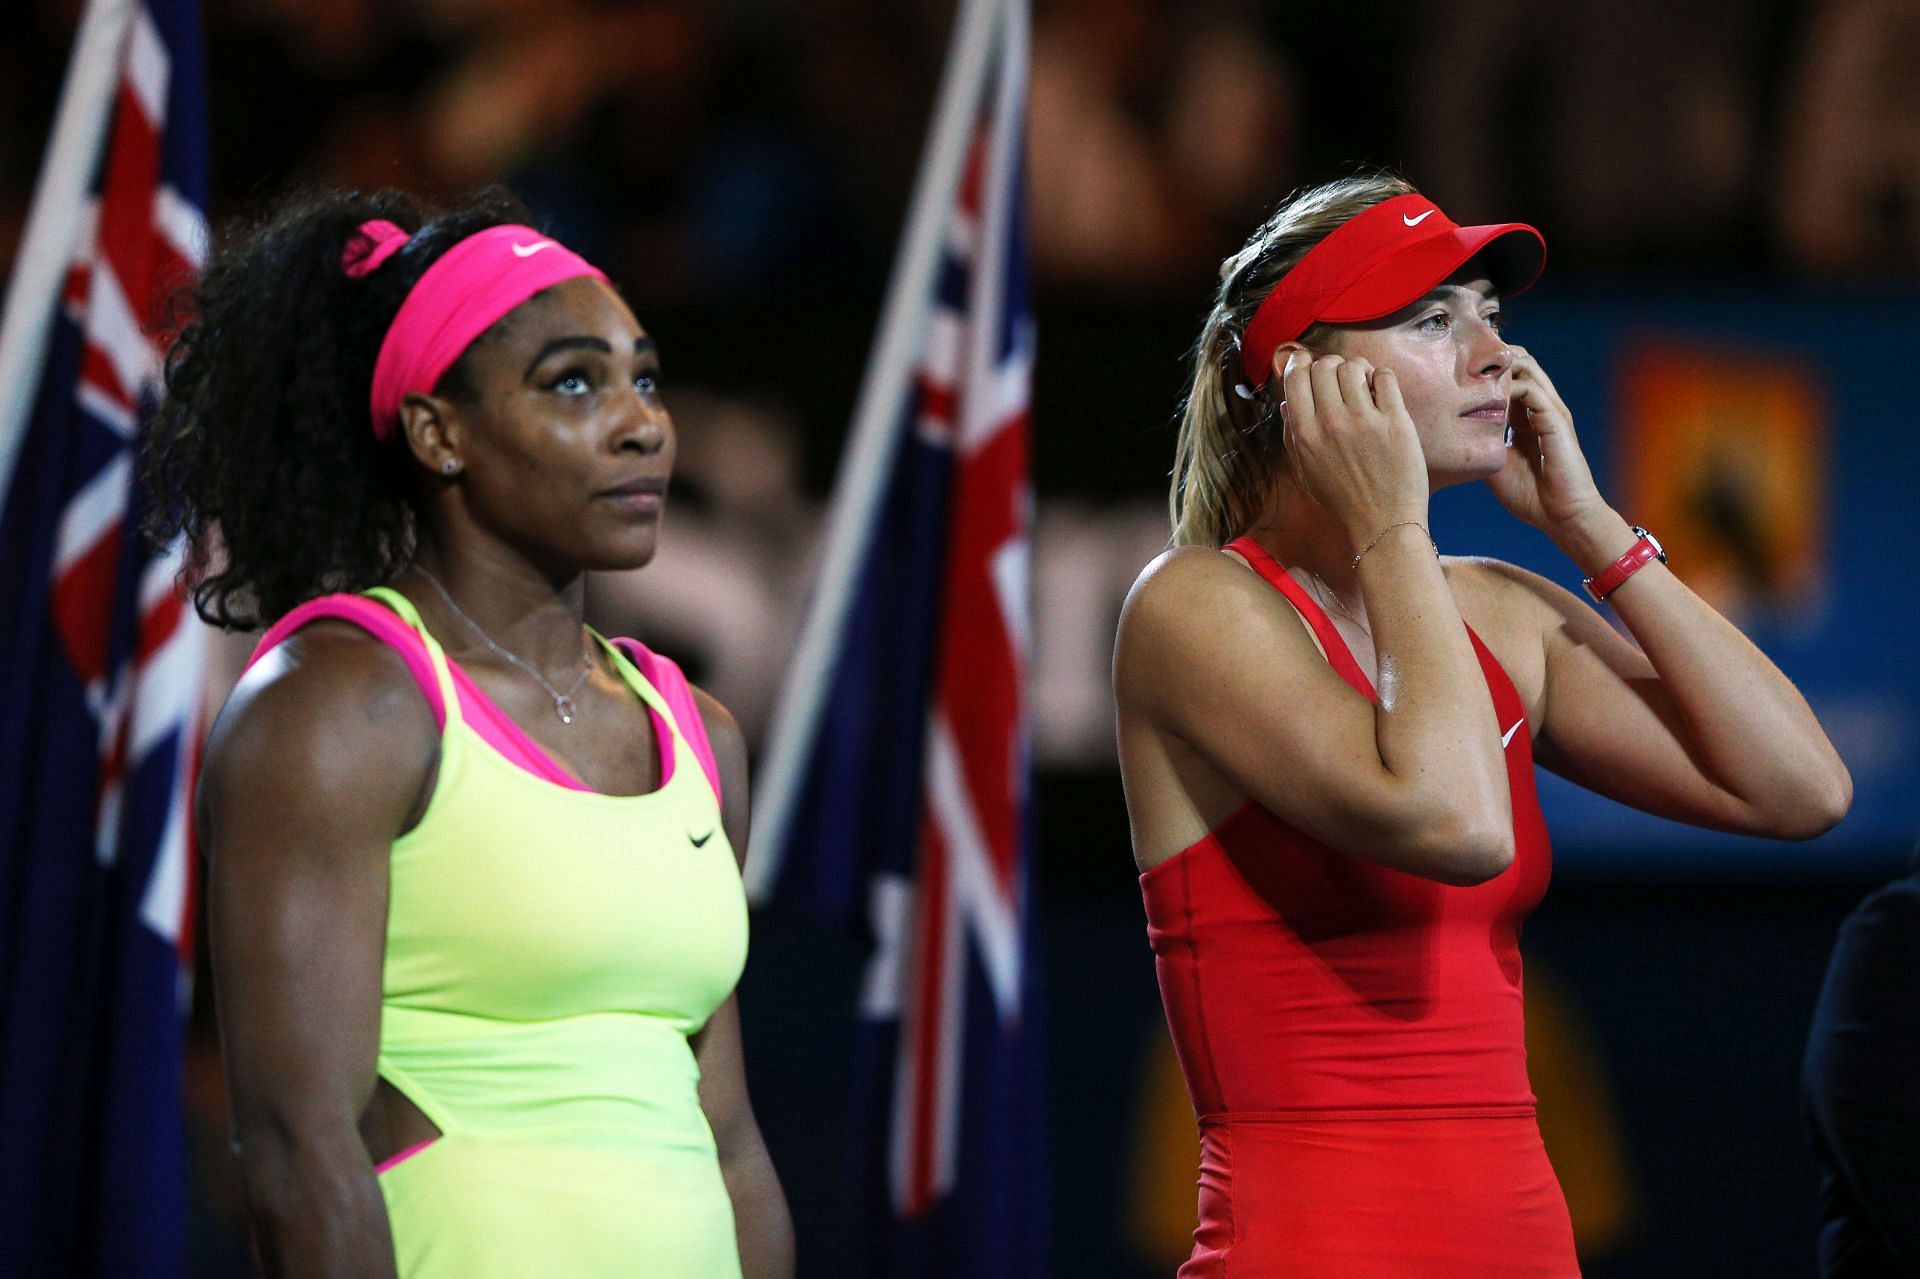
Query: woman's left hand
x=1546, y=480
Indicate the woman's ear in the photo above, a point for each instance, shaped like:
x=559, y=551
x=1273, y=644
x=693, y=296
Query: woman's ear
x=1281, y=354
x=432, y=431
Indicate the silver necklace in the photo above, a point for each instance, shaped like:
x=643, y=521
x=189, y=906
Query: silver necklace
x=563, y=703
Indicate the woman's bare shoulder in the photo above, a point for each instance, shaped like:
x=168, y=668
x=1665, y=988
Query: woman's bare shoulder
x=1193, y=608
x=331, y=670
x=1494, y=594
x=1186, y=574
x=330, y=705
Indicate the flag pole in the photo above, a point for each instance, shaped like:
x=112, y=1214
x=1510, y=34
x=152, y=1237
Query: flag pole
x=59, y=199
x=872, y=444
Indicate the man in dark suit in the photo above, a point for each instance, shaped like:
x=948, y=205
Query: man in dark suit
x=1861, y=1088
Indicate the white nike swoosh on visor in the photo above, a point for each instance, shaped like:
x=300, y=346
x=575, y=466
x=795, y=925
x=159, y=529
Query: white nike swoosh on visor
x=1507, y=736
x=528, y=250
x=1416, y=221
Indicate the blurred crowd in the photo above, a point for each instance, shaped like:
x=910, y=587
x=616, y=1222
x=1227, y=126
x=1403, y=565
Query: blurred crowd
x=719, y=151
x=743, y=167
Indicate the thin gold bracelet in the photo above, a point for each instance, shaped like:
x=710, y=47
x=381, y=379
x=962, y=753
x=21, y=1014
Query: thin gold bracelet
x=1388, y=529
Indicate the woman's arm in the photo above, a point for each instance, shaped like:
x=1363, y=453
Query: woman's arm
x=1214, y=657
x=1696, y=723
x=313, y=768
x=761, y=1223
x=760, y=1218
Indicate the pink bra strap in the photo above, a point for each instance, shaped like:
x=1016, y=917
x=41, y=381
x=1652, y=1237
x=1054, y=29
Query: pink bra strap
x=665, y=675
x=377, y=620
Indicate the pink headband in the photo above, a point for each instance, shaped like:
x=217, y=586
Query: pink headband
x=1376, y=262
x=458, y=298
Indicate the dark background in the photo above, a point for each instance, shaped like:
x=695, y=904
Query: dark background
x=1717, y=176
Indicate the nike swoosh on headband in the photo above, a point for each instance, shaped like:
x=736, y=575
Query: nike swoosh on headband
x=456, y=299
x=1416, y=221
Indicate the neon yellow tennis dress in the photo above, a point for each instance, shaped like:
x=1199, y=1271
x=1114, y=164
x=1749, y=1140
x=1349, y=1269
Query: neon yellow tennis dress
x=549, y=951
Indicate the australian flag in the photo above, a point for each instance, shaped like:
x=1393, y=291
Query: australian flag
x=895, y=792
x=101, y=673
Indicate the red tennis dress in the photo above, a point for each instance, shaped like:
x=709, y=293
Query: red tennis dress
x=1352, y=1040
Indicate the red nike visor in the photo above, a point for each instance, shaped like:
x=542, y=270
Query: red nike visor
x=1378, y=261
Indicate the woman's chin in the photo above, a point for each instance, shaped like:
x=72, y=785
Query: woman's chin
x=1463, y=456
x=1466, y=470
x=624, y=554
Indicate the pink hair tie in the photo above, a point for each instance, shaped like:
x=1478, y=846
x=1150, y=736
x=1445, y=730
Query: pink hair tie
x=371, y=245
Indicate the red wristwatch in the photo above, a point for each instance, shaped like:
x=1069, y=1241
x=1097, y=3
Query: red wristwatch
x=1638, y=556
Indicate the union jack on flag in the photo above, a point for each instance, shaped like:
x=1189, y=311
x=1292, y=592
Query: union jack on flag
x=896, y=788
x=101, y=673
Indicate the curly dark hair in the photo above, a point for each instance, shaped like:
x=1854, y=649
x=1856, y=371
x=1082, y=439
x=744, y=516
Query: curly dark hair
x=261, y=451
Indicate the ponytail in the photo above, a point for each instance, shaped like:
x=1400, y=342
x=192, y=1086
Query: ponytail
x=1228, y=449
x=261, y=451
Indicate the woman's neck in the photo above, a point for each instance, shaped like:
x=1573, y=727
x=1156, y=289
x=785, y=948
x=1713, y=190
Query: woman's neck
x=534, y=615
x=1302, y=535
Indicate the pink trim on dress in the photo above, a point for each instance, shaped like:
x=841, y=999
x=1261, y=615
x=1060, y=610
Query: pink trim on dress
x=377, y=620
x=499, y=731
x=400, y=1157
x=495, y=727
x=665, y=675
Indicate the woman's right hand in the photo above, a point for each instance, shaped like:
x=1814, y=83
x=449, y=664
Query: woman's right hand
x=1352, y=445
